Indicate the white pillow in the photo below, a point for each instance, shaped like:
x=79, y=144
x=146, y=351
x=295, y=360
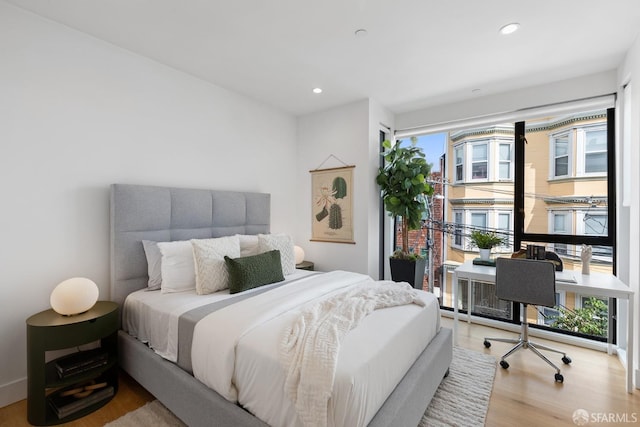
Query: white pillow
x=282, y=243
x=154, y=263
x=178, y=270
x=248, y=244
x=211, y=270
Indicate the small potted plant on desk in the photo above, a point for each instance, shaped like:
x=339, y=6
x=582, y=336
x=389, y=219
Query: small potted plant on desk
x=404, y=190
x=485, y=241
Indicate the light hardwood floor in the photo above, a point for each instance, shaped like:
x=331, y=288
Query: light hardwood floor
x=523, y=395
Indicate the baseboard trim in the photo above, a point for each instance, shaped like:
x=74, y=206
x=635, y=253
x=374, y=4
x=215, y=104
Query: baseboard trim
x=13, y=392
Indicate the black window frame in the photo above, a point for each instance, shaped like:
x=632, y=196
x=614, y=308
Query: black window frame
x=519, y=194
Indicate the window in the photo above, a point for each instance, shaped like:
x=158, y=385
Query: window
x=595, y=223
x=459, y=159
x=594, y=142
x=478, y=222
x=561, y=224
x=560, y=146
x=505, y=162
x=458, y=226
x=504, y=228
x=479, y=161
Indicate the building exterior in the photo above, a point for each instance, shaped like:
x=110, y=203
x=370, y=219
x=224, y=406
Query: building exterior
x=565, y=193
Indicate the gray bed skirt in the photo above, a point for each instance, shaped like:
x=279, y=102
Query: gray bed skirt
x=197, y=405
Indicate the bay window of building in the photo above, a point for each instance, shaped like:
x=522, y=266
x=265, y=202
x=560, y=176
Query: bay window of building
x=489, y=159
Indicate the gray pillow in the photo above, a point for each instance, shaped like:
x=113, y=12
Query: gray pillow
x=154, y=264
x=253, y=271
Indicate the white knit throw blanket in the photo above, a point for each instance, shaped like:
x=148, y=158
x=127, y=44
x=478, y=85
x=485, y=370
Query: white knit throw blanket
x=310, y=346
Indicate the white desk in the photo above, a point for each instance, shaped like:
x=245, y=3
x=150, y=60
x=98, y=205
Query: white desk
x=597, y=284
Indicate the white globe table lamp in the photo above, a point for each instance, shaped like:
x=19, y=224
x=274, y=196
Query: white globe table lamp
x=74, y=296
x=299, y=253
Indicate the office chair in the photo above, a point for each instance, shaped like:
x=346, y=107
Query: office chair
x=526, y=281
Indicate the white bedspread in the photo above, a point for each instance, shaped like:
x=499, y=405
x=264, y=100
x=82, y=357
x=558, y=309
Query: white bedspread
x=310, y=347
x=153, y=317
x=236, y=351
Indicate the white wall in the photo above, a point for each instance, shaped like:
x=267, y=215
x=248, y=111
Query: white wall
x=343, y=133
x=77, y=114
x=629, y=216
x=350, y=133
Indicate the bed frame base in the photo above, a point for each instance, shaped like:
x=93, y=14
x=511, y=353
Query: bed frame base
x=197, y=405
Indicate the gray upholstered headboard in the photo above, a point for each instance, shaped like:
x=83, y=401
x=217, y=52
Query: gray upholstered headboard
x=164, y=214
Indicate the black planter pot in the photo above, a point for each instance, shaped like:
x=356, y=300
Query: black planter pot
x=404, y=270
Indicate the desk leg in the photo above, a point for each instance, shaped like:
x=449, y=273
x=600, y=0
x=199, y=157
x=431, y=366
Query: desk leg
x=611, y=329
x=469, y=301
x=454, y=292
x=630, y=369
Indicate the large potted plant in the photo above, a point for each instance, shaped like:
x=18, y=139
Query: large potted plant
x=485, y=240
x=404, y=190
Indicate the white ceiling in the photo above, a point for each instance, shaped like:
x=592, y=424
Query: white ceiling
x=417, y=53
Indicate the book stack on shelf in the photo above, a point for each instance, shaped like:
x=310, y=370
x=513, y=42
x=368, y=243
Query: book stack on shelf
x=81, y=361
x=77, y=398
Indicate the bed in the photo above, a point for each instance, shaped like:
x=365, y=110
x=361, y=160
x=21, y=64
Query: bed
x=165, y=214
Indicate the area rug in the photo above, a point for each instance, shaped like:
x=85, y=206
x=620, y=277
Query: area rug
x=462, y=399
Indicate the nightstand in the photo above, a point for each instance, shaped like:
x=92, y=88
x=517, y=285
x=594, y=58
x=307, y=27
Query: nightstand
x=96, y=369
x=305, y=265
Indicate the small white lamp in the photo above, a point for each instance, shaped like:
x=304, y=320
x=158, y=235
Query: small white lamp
x=74, y=296
x=299, y=252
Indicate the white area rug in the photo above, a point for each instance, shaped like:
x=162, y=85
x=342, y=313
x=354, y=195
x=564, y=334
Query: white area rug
x=462, y=399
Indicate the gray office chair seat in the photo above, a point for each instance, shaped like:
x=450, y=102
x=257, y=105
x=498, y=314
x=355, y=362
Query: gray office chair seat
x=526, y=281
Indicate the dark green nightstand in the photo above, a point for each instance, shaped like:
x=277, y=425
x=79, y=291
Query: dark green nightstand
x=47, y=331
x=305, y=265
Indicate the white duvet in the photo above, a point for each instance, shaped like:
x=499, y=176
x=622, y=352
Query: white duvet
x=236, y=351
x=153, y=316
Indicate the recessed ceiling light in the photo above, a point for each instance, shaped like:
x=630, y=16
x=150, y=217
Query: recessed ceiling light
x=509, y=28
x=317, y=90
x=361, y=33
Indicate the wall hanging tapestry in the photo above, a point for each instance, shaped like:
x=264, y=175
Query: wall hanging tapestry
x=332, y=205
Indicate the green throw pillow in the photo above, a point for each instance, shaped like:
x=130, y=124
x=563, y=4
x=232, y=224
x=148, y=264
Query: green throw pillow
x=253, y=271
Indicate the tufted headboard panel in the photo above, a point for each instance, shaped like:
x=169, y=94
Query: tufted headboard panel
x=163, y=214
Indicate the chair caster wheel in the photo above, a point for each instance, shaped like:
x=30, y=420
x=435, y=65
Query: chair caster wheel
x=487, y=344
x=566, y=360
x=504, y=364
x=559, y=378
